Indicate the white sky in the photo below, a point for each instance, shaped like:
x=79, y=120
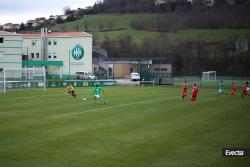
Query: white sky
x=18, y=11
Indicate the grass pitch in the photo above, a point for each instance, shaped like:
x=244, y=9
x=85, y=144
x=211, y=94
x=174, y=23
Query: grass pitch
x=137, y=127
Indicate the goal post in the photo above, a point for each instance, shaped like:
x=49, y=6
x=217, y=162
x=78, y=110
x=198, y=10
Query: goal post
x=209, y=76
x=22, y=78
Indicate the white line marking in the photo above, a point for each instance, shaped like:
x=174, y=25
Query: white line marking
x=29, y=97
x=112, y=107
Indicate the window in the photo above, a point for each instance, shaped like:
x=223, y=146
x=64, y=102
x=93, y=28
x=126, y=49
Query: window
x=49, y=55
x=32, y=55
x=131, y=70
x=1, y=39
x=49, y=42
x=54, y=55
x=34, y=42
x=110, y=71
x=1, y=69
x=1, y=54
x=54, y=41
x=156, y=69
x=37, y=55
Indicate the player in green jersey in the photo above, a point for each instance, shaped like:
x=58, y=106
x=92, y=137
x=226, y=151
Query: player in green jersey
x=221, y=88
x=97, y=94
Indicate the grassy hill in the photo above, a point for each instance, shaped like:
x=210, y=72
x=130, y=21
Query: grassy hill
x=115, y=26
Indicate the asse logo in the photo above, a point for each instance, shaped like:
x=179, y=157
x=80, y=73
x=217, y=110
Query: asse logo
x=77, y=52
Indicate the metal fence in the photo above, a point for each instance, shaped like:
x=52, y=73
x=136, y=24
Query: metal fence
x=158, y=78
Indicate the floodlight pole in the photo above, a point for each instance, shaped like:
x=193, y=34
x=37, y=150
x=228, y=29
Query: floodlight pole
x=44, y=78
x=4, y=81
x=69, y=64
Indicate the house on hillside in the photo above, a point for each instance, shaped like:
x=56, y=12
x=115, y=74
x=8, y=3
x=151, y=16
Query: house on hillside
x=41, y=20
x=8, y=26
x=16, y=26
x=36, y=23
x=51, y=21
x=30, y=23
x=177, y=2
x=63, y=17
x=160, y=2
x=206, y=3
x=209, y=3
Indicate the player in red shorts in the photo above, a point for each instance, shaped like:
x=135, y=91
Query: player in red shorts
x=244, y=90
x=195, y=91
x=233, y=89
x=184, y=90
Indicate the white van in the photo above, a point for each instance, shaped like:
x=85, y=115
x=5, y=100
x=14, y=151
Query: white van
x=134, y=76
x=85, y=75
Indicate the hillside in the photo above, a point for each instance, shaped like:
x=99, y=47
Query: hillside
x=115, y=26
x=190, y=49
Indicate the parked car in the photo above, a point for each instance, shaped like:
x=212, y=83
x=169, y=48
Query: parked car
x=92, y=76
x=134, y=76
x=85, y=75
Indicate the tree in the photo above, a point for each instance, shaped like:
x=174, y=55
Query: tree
x=22, y=27
x=85, y=26
x=67, y=10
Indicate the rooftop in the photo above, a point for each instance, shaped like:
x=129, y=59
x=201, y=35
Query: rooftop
x=57, y=34
x=8, y=33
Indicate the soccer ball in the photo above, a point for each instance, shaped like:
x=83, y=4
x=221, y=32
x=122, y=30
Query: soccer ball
x=84, y=99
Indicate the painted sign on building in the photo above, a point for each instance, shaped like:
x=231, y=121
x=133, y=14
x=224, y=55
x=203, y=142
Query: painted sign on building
x=78, y=52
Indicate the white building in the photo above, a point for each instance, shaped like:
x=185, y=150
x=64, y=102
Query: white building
x=10, y=50
x=62, y=53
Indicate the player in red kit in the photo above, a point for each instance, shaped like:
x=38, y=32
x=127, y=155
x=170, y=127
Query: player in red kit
x=233, y=89
x=184, y=90
x=244, y=90
x=195, y=91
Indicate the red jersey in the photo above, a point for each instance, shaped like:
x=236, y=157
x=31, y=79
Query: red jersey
x=244, y=90
x=195, y=90
x=244, y=87
x=184, y=87
x=234, y=88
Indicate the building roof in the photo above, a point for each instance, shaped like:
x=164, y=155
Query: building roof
x=56, y=34
x=8, y=33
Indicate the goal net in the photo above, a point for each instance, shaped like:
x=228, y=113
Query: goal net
x=22, y=78
x=209, y=76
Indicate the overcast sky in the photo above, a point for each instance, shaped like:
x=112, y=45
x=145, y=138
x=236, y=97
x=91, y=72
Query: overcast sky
x=18, y=11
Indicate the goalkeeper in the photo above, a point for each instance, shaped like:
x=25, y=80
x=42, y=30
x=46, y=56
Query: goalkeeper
x=70, y=90
x=97, y=93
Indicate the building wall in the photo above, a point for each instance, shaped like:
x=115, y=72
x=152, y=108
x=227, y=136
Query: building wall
x=28, y=48
x=11, y=51
x=62, y=51
x=163, y=68
x=123, y=70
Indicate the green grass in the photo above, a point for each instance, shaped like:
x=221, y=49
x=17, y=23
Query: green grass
x=137, y=127
x=121, y=27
